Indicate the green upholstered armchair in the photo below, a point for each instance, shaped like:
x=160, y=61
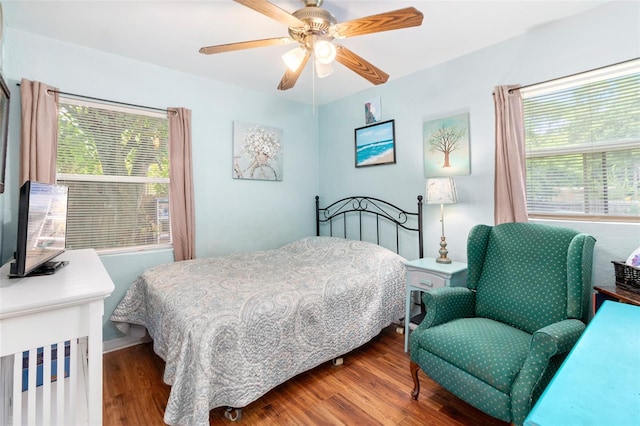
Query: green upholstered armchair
x=497, y=343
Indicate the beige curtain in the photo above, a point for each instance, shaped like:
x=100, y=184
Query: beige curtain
x=181, y=176
x=39, y=132
x=510, y=197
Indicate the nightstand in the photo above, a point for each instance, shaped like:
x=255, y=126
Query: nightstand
x=426, y=274
x=615, y=293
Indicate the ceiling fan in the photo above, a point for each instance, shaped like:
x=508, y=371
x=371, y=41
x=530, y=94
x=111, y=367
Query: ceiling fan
x=314, y=29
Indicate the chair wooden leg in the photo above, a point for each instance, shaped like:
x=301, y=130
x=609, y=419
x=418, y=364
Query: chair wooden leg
x=416, y=383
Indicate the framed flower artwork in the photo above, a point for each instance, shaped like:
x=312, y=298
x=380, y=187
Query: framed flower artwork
x=257, y=152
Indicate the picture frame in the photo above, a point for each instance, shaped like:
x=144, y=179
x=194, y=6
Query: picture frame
x=4, y=129
x=375, y=144
x=446, y=151
x=257, y=152
x=372, y=111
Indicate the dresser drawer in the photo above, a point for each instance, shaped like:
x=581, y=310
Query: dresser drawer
x=424, y=280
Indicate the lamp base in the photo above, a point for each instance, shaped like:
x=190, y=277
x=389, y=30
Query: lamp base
x=443, y=252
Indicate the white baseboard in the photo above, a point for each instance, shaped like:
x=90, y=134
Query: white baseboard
x=123, y=342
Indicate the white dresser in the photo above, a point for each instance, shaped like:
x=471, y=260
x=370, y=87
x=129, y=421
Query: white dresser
x=38, y=312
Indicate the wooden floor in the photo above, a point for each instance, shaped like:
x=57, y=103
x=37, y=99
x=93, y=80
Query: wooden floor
x=372, y=387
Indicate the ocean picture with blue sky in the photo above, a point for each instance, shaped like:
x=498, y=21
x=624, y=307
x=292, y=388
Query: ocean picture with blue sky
x=375, y=144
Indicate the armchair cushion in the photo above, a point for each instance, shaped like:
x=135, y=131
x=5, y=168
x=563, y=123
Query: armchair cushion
x=489, y=350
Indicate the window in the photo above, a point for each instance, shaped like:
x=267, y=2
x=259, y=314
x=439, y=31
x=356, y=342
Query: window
x=582, y=137
x=115, y=162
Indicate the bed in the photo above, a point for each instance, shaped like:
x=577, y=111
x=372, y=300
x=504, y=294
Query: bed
x=233, y=327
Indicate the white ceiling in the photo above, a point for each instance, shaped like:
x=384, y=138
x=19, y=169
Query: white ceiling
x=169, y=34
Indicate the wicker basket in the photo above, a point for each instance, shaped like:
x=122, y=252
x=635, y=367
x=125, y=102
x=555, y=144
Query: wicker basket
x=627, y=277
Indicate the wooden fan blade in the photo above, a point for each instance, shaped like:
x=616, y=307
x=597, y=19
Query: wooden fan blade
x=358, y=65
x=272, y=11
x=221, y=48
x=290, y=77
x=395, y=20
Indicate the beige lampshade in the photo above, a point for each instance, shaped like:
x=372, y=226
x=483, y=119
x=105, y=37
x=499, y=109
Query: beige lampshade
x=441, y=191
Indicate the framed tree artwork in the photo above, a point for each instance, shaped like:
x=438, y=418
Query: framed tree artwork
x=446, y=146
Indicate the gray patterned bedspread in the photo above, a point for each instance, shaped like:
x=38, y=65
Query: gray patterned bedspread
x=231, y=328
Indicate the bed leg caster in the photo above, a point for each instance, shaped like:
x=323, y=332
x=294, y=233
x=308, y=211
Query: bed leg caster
x=400, y=329
x=338, y=361
x=233, y=414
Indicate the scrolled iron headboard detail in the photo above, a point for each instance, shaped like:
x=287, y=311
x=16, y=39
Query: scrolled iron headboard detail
x=371, y=206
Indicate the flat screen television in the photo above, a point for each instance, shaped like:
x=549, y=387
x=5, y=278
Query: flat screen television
x=42, y=229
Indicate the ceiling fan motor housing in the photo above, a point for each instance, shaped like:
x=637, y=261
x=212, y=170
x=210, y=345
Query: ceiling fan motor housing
x=312, y=3
x=318, y=22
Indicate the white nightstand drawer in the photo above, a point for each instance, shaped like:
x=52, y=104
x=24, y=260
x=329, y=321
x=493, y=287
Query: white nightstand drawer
x=426, y=274
x=424, y=280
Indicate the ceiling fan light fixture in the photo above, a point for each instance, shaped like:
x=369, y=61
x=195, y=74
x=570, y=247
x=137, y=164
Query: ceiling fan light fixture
x=293, y=58
x=324, y=51
x=314, y=29
x=323, y=70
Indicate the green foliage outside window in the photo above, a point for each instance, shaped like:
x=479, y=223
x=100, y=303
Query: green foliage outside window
x=583, y=150
x=116, y=164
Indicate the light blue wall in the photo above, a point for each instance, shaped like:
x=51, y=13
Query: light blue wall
x=602, y=36
x=236, y=215
x=231, y=215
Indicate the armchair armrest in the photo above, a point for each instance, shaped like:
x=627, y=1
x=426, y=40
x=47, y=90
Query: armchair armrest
x=446, y=304
x=555, y=339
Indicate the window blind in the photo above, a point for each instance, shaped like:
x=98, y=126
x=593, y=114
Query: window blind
x=583, y=148
x=115, y=162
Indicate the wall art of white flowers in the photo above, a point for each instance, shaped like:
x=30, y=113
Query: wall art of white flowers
x=257, y=152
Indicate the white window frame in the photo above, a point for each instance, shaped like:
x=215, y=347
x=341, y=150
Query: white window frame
x=600, y=74
x=117, y=179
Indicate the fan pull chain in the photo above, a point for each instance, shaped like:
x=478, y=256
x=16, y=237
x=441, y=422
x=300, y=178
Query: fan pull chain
x=313, y=86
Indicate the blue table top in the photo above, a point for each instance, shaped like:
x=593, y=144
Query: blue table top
x=599, y=382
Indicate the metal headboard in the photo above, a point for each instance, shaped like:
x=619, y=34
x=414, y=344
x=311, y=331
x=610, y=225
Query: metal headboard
x=360, y=205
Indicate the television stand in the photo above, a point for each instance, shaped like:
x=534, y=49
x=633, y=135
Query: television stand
x=39, y=312
x=49, y=268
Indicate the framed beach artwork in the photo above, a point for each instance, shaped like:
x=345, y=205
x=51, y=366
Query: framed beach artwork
x=375, y=144
x=257, y=152
x=372, y=111
x=446, y=146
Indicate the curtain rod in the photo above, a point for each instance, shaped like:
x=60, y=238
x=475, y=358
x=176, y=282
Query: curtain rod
x=167, y=110
x=574, y=74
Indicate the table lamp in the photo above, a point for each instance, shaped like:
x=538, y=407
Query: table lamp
x=442, y=191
